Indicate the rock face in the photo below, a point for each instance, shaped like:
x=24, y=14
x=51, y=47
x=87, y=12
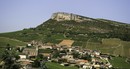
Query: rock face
x=61, y=16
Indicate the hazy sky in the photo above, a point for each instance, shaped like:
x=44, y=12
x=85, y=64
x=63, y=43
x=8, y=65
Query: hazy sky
x=19, y=14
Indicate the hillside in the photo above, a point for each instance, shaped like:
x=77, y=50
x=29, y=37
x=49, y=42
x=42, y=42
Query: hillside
x=85, y=31
x=13, y=42
x=4, y=42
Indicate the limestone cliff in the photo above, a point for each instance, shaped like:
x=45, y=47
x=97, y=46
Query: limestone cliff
x=61, y=16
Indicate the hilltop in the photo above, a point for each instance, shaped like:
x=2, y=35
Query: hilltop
x=85, y=31
x=62, y=16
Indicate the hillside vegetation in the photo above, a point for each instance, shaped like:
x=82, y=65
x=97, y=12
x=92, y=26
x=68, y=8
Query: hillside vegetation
x=12, y=42
x=4, y=42
x=88, y=34
x=119, y=63
x=51, y=65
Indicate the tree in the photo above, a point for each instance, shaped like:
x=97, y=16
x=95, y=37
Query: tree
x=56, y=54
x=9, y=57
x=36, y=63
x=40, y=57
x=86, y=57
x=8, y=47
x=75, y=54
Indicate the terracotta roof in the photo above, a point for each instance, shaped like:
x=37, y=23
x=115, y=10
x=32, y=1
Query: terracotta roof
x=25, y=62
x=84, y=61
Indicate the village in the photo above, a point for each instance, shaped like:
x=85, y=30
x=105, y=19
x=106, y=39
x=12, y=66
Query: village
x=63, y=54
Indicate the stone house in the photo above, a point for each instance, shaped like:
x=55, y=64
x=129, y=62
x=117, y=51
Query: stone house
x=30, y=51
x=45, y=52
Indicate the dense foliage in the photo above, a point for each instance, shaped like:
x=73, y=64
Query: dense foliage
x=10, y=57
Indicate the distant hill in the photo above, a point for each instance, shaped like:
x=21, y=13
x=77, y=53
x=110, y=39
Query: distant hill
x=83, y=30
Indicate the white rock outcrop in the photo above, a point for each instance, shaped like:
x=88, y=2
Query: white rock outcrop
x=61, y=16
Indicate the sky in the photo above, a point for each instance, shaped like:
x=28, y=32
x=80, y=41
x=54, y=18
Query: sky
x=19, y=14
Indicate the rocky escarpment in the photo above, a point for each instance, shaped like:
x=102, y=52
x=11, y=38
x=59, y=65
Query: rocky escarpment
x=61, y=16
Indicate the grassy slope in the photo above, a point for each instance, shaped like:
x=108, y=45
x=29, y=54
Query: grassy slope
x=117, y=62
x=51, y=65
x=13, y=42
x=112, y=46
x=23, y=35
x=120, y=63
